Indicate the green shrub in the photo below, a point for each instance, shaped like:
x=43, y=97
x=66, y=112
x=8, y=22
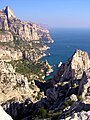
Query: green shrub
x=43, y=112
x=79, y=97
x=67, y=103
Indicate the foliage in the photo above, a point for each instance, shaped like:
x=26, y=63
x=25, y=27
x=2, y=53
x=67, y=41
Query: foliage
x=25, y=67
x=54, y=115
x=79, y=97
x=67, y=103
x=43, y=112
x=28, y=68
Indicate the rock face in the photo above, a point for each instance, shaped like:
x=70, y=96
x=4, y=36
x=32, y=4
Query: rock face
x=79, y=116
x=85, y=87
x=10, y=54
x=9, y=12
x=80, y=62
x=71, y=87
x=24, y=36
x=67, y=92
x=77, y=71
x=47, y=68
x=3, y=21
x=4, y=115
x=6, y=36
x=44, y=35
x=25, y=30
x=75, y=66
x=67, y=95
x=15, y=85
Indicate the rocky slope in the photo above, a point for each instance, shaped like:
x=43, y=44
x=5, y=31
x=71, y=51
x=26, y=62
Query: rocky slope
x=6, y=36
x=83, y=115
x=21, y=47
x=14, y=86
x=67, y=95
x=9, y=54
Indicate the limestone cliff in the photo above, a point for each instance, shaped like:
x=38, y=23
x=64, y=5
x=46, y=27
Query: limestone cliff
x=21, y=37
x=76, y=71
x=26, y=30
x=67, y=95
x=9, y=12
x=74, y=66
x=3, y=21
x=6, y=36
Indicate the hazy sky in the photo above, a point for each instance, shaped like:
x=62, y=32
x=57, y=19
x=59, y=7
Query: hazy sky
x=54, y=13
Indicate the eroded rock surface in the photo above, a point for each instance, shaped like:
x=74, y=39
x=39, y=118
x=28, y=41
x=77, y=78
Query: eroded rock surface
x=15, y=85
x=83, y=115
x=25, y=30
x=75, y=66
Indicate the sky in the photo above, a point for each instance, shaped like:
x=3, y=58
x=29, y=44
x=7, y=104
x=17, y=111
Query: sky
x=52, y=13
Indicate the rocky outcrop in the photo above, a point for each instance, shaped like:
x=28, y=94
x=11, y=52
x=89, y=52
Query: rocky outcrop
x=70, y=86
x=8, y=54
x=15, y=85
x=33, y=55
x=84, y=87
x=67, y=95
x=76, y=71
x=74, y=67
x=47, y=68
x=6, y=36
x=9, y=12
x=3, y=21
x=44, y=35
x=25, y=30
x=4, y=115
x=80, y=62
x=83, y=115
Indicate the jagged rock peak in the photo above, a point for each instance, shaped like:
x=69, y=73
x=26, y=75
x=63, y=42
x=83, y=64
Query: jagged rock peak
x=80, y=62
x=75, y=66
x=9, y=12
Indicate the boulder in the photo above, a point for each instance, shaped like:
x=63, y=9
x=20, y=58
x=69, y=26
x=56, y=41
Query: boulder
x=4, y=115
x=73, y=97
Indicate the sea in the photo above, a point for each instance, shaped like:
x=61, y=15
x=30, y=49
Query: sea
x=66, y=41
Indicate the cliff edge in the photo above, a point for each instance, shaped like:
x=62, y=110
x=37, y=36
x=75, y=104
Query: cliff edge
x=25, y=30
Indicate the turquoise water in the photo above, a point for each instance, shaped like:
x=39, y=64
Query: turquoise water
x=66, y=42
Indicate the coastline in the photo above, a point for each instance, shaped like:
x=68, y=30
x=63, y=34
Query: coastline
x=65, y=43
